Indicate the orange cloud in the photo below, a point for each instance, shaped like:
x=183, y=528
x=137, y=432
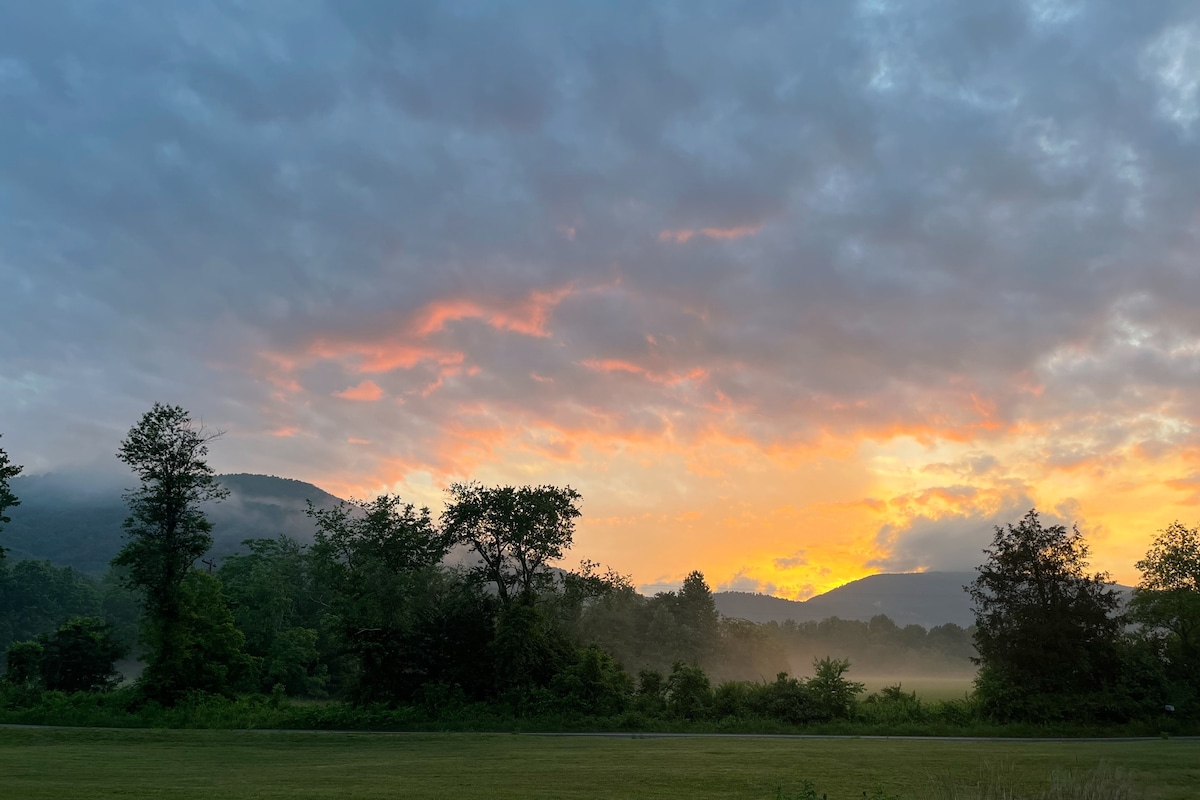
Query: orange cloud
x=409, y=341
x=367, y=390
x=683, y=235
x=528, y=316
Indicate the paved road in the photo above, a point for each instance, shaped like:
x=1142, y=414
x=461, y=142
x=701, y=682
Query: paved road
x=649, y=735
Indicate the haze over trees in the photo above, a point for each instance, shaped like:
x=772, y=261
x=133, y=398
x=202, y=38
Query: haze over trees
x=372, y=612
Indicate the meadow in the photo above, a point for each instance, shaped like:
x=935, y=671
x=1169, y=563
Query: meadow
x=39, y=764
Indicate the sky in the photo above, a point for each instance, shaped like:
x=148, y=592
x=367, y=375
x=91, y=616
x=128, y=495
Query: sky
x=791, y=292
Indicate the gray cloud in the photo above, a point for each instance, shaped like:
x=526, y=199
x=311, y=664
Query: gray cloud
x=955, y=541
x=908, y=206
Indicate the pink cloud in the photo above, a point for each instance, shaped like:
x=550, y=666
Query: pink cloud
x=367, y=390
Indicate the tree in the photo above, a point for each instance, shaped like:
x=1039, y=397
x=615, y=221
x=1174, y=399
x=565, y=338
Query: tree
x=1167, y=600
x=36, y=596
x=166, y=532
x=1047, y=630
x=8, y=500
x=696, y=611
x=276, y=604
x=80, y=656
x=514, y=531
x=207, y=646
x=24, y=667
x=394, y=611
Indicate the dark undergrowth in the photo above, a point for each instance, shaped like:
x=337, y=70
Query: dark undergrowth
x=126, y=708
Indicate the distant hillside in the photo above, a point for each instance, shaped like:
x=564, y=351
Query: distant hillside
x=920, y=598
x=74, y=518
x=924, y=598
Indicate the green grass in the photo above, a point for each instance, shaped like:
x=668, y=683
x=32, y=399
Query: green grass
x=231, y=765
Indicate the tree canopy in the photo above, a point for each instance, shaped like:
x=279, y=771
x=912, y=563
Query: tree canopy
x=1167, y=600
x=514, y=531
x=1045, y=626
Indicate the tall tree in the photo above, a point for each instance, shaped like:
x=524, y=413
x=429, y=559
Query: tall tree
x=1167, y=600
x=696, y=610
x=166, y=532
x=8, y=470
x=1047, y=630
x=515, y=531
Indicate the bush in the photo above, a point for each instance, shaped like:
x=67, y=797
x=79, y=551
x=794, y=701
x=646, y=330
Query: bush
x=24, y=664
x=597, y=685
x=689, y=695
x=832, y=693
x=785, y=699
x=80, y=656
x=892, y=705
x=651, y=697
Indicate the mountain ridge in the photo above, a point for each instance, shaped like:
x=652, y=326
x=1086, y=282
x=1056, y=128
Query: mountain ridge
x=927, y=599
x=74, y=518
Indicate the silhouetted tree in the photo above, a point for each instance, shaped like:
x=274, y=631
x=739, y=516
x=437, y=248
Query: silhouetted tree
x=1047, y=630
x=1167, y=600
x=514, y=531
x=166, y=532
x=8, y=470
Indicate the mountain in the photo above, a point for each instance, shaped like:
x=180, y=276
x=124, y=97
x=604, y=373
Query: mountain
x=921, y=598
x=74, y=518
x=917, y=598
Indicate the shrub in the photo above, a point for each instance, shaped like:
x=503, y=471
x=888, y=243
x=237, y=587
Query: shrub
x=832, y=693
x=80, y=656
x=597, y=685
x=24, y=664
x=689, y=695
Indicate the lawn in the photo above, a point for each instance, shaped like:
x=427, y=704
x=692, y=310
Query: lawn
x=231, y=765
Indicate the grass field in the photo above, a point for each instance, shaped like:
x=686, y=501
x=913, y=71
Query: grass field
x=63, y=764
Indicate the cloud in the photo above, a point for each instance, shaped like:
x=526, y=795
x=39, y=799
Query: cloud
x=367, y=390
x=541, y=231
x=742, y=582
x=954, y=540
x=799, y=559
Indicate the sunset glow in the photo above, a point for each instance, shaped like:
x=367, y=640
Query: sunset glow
x=790, y=296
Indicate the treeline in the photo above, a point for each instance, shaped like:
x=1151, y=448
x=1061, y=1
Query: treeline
x=372, y=614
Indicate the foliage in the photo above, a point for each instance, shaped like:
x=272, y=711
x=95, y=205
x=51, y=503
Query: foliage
x=8, y=471
x=401, y=619
x=206, y=647
x=514, y=531
x=1167, y=601
x=279, y=607
x=832, y=693
x=596, y=685
x=35, y=596
x=24, y=664
x=166, y=533
x=1046, y=629
x=689, y=694
x=80, y=656
x=293, y=665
